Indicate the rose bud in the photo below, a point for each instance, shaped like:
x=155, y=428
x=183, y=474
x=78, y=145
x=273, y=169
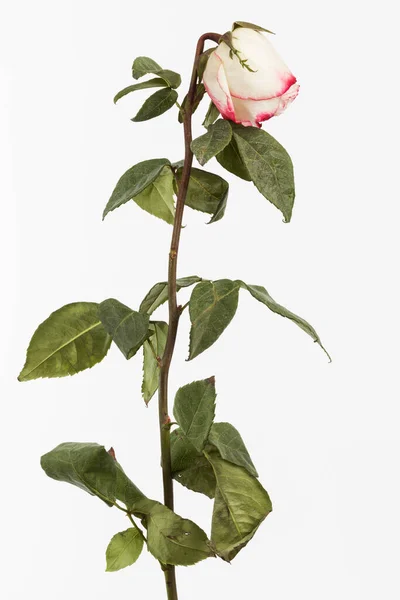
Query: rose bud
x=248, y=81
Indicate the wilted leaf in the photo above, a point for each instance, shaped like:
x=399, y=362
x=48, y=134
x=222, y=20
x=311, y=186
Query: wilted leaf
x=240, y=506
x=174, y=540
x=198, y=97
x=206, y=192
x=159, y=293
x=151, y=368
x=231, y=160
x=212, y=306
x=211, y=143
x=134, y=181
x=144, y=65
x=158, y=197
x=194, y=410
x=260, y=293
x=269, y=166
x=128, y=328
x=190, y=467
x=70, y=340
x=157, y=104
x=87, y=466
x=151, y=83
x=230, y=445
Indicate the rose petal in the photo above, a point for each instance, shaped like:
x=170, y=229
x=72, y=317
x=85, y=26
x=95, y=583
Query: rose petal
x=271, y=76
x=216, y=84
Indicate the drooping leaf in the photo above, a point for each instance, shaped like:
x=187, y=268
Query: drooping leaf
x=87, y=466
x=194, y=410
x=206, y=192
x=250, y=26
x=151, y=83
x=211, y=115
x=144, y=65
x=212, y=306
x=260, y=293
x=124, y=549
x=157, y=104
x=70, y=340
x=231, y=160
x=230, y=445
x=159, y=293
x=128, y=493
x=269, y=166
x=211, y=143
x=198, y=96
x=158, y=197
x=128, y=328
x=240, y=506
x=190, y=467
x=134, y=181
x=151, y=369
x=174, y=540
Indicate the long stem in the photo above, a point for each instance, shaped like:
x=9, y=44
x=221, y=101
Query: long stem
x=174, y=309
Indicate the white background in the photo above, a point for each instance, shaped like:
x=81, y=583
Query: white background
x=324, y=437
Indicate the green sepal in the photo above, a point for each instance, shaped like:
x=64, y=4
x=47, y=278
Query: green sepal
x=237, y=24
x=203, y=60
x=70, y=340
x=157, y=104
x=128, y=328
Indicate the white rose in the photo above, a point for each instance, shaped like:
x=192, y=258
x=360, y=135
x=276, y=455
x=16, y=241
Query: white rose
x=254, y=94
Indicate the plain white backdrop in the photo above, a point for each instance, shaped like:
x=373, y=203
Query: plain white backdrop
x=324, y=437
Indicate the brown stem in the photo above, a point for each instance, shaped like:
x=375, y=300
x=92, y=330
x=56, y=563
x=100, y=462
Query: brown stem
x=174, y=310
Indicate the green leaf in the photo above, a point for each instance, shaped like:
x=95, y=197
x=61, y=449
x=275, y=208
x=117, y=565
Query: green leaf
x=190, y=467
x=260, y=293
x=212, y=306
x=70, y=340
x=230, y=445
x=269, y=166
x=211, y=143
x=128, y=493
x=231, y=160
x=87, y=466
x=156, y=105
x=151, y=83
x=158, y=197
x=134, y=181
x=174, y=540
x=206, y=192
x=128, y=328
x=144, y=65
x=194, y=410
x=240, y=506
x=198, y=96
x=151, y=369
x=250, y=26
x=159, y=293
x=211, y=115
x=124, y=549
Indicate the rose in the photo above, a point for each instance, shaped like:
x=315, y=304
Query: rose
x=247, y=80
